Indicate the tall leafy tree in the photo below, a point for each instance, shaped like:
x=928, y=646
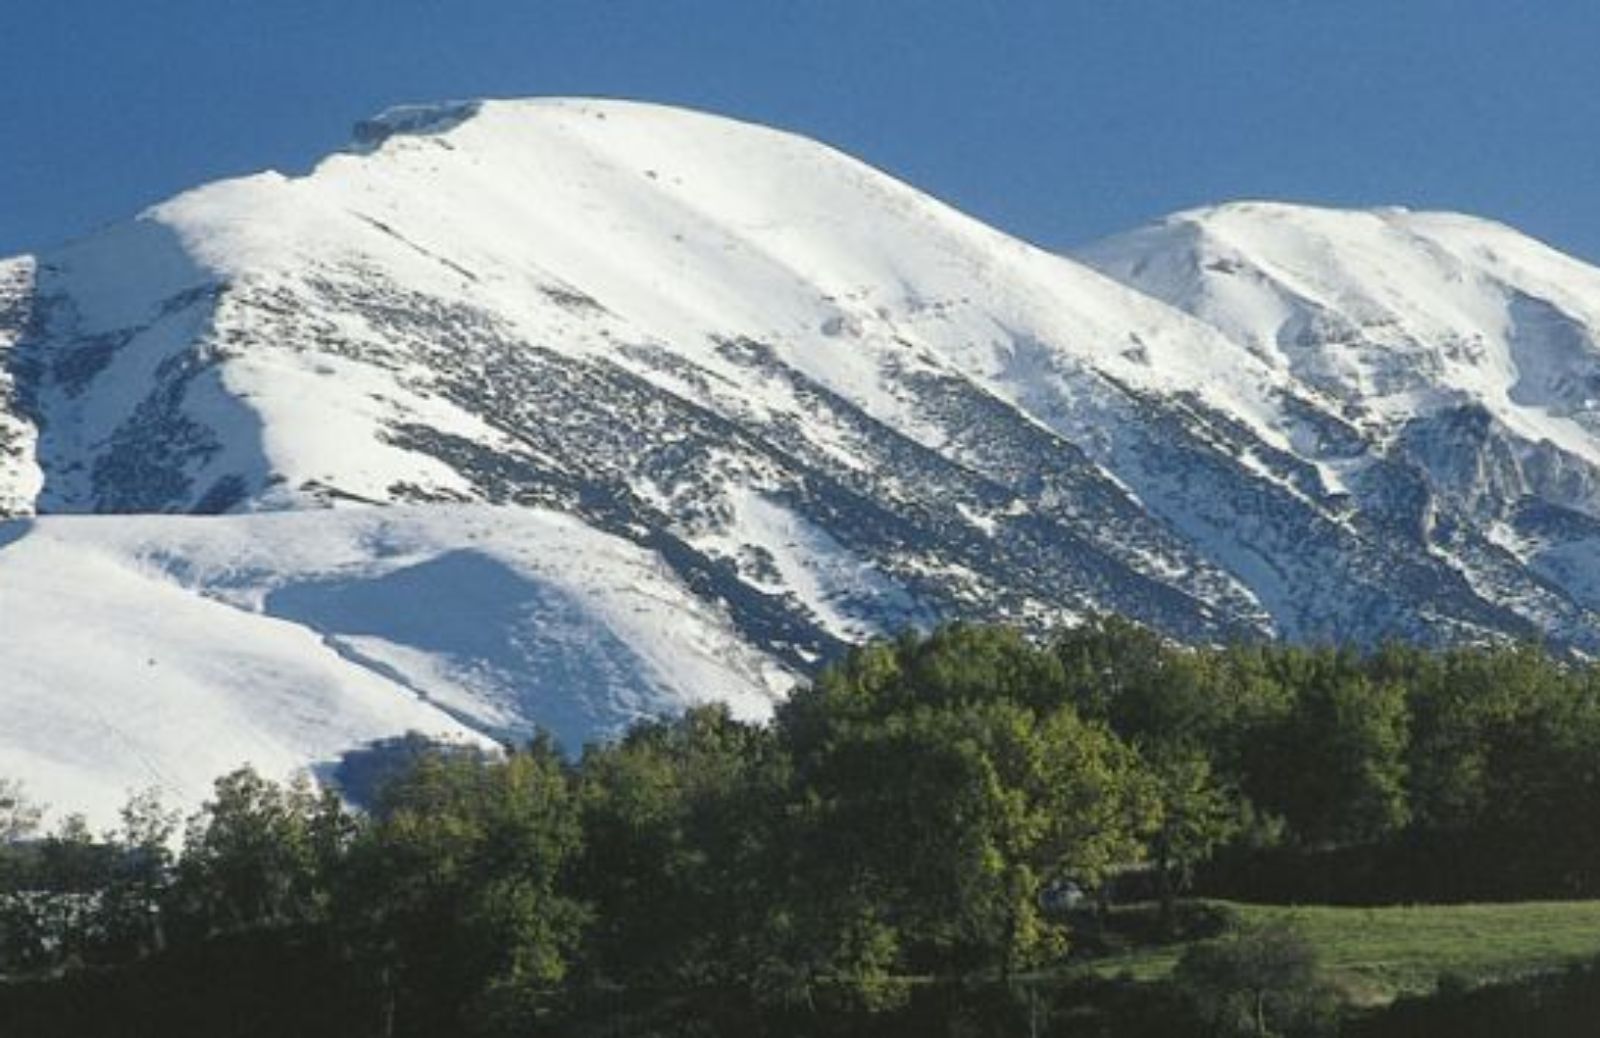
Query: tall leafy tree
x=456, y=898
x=938, y=803
x=250, y=855
x=1195, y=815
x=678, y=860
x=1335, y=767
x=131, y=904
x=19, y=815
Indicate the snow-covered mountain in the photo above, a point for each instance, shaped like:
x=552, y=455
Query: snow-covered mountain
x=742, y=399
x=1464, y=356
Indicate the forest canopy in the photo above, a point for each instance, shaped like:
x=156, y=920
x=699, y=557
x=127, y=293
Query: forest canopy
x=944, y=811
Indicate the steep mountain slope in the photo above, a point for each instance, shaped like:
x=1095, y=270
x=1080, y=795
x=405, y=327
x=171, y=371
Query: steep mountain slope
x=19, y=472
x=1466, y=354
x=655, y=319
x=814, y=403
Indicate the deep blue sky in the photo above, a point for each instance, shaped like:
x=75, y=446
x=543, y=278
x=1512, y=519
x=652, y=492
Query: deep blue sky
x=1058, y=121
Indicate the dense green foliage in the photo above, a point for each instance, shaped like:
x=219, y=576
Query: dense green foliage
x=1562, y=1004
x=1260, y=982
x=897, y=852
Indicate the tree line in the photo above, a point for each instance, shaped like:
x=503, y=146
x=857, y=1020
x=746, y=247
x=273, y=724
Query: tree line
x=927, y=829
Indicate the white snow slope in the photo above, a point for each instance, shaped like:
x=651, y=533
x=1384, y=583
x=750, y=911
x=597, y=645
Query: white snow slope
x=1392, y=312
x=1457, y=343
x=668, y=407
x=163, y=651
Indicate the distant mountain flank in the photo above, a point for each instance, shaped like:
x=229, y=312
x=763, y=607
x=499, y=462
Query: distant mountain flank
x=766, y=396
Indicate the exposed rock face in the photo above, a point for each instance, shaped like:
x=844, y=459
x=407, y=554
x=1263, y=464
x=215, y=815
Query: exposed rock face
x=20, y=478
x=1464, y=353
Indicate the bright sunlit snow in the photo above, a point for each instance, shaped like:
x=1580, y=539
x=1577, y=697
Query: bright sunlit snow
x=666, y=408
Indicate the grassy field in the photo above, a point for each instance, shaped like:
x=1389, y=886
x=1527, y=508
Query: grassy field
x=1375, y=954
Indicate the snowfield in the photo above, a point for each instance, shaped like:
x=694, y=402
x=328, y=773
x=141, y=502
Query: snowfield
x=1393, y=313
x=569, y=412
x=163, y=651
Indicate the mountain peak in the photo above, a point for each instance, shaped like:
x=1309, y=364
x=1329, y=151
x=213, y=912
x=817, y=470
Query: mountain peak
x=1248, y=220
x=1391, y=309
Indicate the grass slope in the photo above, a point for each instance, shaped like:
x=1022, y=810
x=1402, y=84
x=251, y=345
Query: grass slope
x=1378, y=954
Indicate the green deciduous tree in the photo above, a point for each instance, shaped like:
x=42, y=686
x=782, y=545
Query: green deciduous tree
x=936, y=803
x=1335, y=766
x=130, y=910
x=455, y=901
x=255, y=855
x=1258, y=982
x=679, y=860
x=1196, y=815
x=19, y=815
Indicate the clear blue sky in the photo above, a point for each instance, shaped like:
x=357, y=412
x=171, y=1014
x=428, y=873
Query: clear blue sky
x=1059, y=121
